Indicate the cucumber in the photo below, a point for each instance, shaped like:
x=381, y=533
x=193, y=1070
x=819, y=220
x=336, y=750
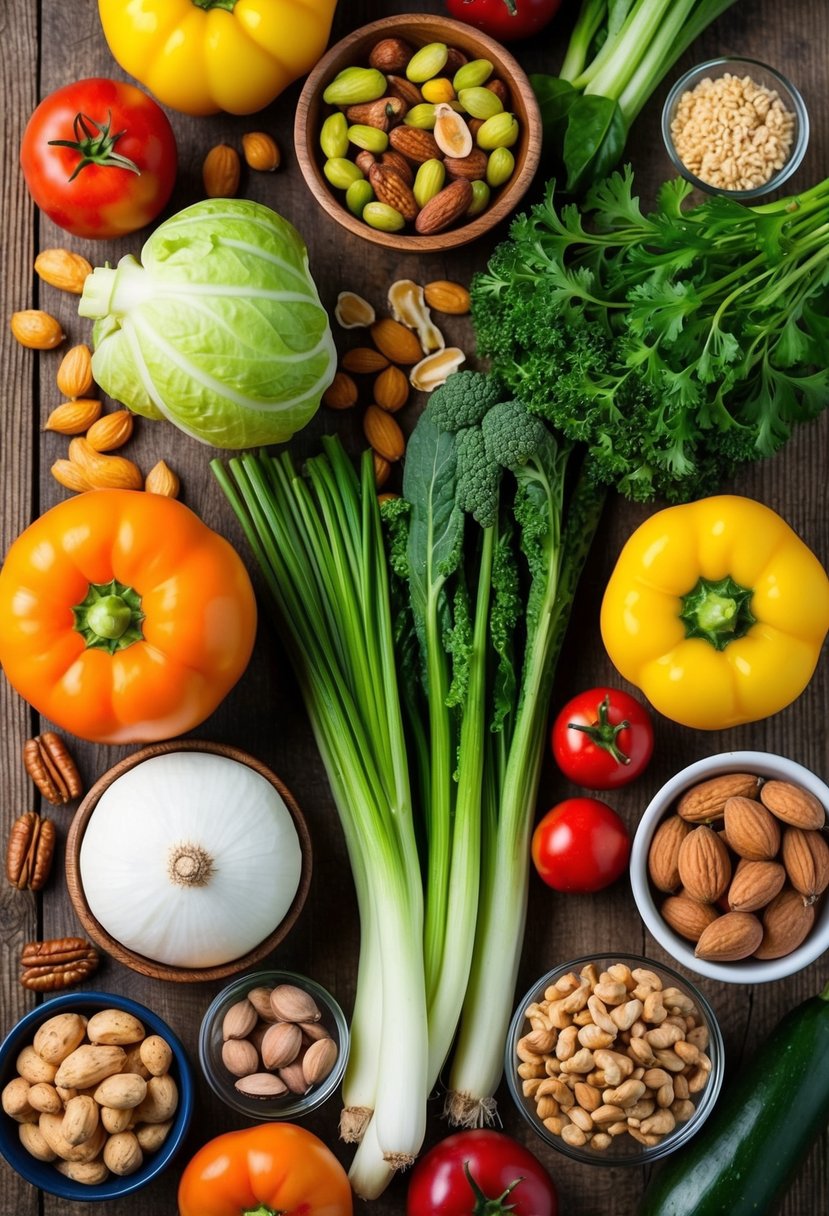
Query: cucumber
x=742, y=1162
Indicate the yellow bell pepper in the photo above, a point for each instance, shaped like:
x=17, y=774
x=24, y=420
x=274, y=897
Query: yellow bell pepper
x=201, y=56
x=717, y=611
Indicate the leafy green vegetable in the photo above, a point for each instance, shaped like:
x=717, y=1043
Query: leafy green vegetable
x=618, y=53
x=221, y=330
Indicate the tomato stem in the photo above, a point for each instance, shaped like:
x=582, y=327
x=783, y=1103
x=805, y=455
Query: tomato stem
x=95, y=144
x=484, y=1206
x=109, y=617
x=511, y=7
x=717, y=611
x=603, y=733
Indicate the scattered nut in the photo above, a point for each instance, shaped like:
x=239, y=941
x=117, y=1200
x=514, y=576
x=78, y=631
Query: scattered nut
x=62, y=269
x=221, y=172
x=36, y=329
x=49, y=764
x=261, y=152
x=162, y=480
x=74, y=417
x=74, y=376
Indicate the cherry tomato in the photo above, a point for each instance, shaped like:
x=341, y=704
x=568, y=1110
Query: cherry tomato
x=505, y=20
x=581, y=845
x=99, y=158
x=602, y=739
x=480, y=1171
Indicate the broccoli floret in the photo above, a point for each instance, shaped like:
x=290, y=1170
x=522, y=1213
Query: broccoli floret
x=463, y=400
x=478, y=478
x=511, y=435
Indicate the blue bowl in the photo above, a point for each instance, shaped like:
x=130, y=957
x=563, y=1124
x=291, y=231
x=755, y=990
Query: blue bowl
x=42, y=1174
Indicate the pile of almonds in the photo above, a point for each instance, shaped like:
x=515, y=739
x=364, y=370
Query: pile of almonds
x=613, y=1053
x=222, y=167
x=93, y=1096
x=274, y=1042
x=408, y=339
x=742, y=862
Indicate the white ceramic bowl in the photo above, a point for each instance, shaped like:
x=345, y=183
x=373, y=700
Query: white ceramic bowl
x=746, y=971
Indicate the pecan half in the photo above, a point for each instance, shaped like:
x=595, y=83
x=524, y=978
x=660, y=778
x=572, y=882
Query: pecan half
x=52, y=768
x=30, y=851
x=57, y=963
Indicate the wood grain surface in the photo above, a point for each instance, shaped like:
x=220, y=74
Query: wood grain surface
x=45, y=45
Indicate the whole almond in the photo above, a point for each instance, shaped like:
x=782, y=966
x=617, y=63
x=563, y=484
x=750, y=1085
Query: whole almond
x=393, y=160
x=74, y=376
x=110, y=432
x=447, y=297
x=293, y=1004
x=87, y=1066
x=806, y=858
x=161, y=1101
x=390, y=55
x=32, y=1139
x=261, y=151
x=390, y=189
x=363, y=360
x=70, y=476
x=318, y=1061
x=123, y=1154
x=151, y=1136
x=239, y=1020
x=795, y=806
x=162, y=480
x=281, y=1044
x=787, y=922
x=101, y=471
x=341, y=393
x=396, y=342
x=88, y=1172
x=57, y=1037
x=44, y=1097
x=364, y=160
x=36, y=329
x=260, y=998
x=751, y=830
x=62, y=269
x=73, y=417
x=415, y=144
x=406, y=90
x=261, y=1085
x=240, y=1057
x=156, y=1055
x=381, y=114
x=383, y=434
x=124, y=1091
x=706, y=801
x=446, y=208
x=730, y=937
x=391, y=389
x=382, y=470
x=80, y=1119
x=471, y=167
x=294, y=1078
x=86, y=1149
x=755, y=884
x=221, y=171
x=663, y=854
x=687, y=917
x=704, y=865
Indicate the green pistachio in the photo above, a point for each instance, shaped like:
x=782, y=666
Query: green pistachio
x=480, y=198
x=333, y=135
x=341, y=172
x=429, y=61
x=370, y=138
x=383, y=217
x=500, y=131
x=357, y=195
x=353, y=86
x=429, y=181
x=421, y=116
x=480, y=103
x=499, y=166
x=472, y=74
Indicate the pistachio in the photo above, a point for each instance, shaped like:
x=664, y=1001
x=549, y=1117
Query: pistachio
x=354, y=85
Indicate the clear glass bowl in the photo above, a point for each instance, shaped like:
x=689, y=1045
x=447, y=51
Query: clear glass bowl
x=223, y=1083
x=762, y=74
x=624, y=1149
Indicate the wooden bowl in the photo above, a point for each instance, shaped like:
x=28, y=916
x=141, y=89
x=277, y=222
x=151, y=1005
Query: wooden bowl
x=149, y=966
x=418, y=29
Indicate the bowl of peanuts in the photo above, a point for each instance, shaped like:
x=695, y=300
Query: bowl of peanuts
x=735, y=127
x=97, y=1096
x=418, y=132
x=614, y=1060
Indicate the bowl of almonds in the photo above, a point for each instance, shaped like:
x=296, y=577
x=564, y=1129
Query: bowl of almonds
x=274, y=1045
x=730, y=866
x=97, y=1096
x=614, y=1060
x=418, y=132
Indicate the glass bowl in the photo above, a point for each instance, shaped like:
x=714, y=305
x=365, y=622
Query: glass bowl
x=623, y=1149
x=761, y=74
x=223, y=1083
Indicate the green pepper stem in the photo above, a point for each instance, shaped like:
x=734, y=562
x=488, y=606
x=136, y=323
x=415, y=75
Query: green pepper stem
x=718, y=611
x=603, y=733
x=109, y=617
x=228, y=6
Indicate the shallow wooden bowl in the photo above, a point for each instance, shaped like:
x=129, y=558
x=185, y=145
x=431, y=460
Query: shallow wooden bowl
x=418, y=29
x=138, y=962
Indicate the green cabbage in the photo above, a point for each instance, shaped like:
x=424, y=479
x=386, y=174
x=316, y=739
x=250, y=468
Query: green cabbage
x=219, y=328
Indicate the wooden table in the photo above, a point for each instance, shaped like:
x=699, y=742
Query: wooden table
x=49, y=44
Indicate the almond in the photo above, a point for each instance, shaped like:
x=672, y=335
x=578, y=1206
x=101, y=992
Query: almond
x=281, y=1044
x=390, y=189
x=36, y=329
x=341, y=393
x=104, y=472
x=704, y=865
x=70, y=476
x=261, y=1085
x=318, y=1061
x=293, y=1004
x=87, y=1066
x=364, y=160
x=406, y=90
x=57, y=1037
x=663, y=855
x=732, y=936
x=806, y=858
x=446, y=208
x=240, y=1057
x=391, y=389
x=122, y=1092
x=447, y=297
x=162, y=480
x=396, y=342
x=74, y=377
x=62, y=269
x=393, y=160
x=751, y=830
x=688, y=917
x=382, y=470
x=786, y=924
x=415, y=144
x=390, y=55
x=794, y=806
x=472, y=166
x=755, y=884
x=110, y=432
x=239, y=1020
x=706, y=801
x=363, y=361
x=383, y=434
x=221, y=172
x=261, y=151
x=382, y=113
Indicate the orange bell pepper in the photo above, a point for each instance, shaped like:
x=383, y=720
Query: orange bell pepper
x=276, y=1169
x=123, y=617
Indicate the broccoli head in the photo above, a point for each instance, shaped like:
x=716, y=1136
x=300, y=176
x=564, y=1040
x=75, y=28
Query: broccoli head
x=478, y=477
x=463, y=400
x=512, y=436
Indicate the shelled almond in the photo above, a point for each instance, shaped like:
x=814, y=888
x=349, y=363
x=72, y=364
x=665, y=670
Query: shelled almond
x=743, y=863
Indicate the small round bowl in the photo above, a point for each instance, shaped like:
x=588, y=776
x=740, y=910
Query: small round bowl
x=43, y=1174
x=623, y=1149
x=762, y=74
x=139, y=962
x=745, y=971
x=419, y=29
x=223, y=1083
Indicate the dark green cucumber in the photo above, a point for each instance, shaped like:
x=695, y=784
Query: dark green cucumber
x=742, y=1162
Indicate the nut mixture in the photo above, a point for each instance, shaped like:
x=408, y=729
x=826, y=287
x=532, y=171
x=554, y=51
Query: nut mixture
x=275, y=1043
x=732, y=133
x=93, y=1095
x=742, y=864
x=419, y=137
x=613, y=1053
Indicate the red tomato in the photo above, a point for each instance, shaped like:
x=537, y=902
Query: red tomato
x=471, y=1171
x=99, y=158
x=504, y=19
x=580, y=845
x=602, y=739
